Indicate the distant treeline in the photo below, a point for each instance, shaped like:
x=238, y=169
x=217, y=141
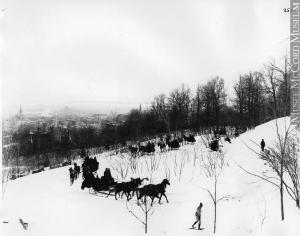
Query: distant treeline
x=256, y=96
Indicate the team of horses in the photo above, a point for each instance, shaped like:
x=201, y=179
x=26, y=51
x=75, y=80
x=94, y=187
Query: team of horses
x=163, y=143
x=107, y=185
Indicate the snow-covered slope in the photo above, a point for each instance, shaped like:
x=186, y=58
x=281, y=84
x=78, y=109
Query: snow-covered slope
x=52, y=207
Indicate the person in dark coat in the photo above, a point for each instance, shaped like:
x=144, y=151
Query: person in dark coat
x=107, y=178
x=77, y=169
x=72, y=175
x=262, y=144
x=198, y=216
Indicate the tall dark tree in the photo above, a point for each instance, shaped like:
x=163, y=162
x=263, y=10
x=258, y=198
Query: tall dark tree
x=214, y=100
x=179, y=102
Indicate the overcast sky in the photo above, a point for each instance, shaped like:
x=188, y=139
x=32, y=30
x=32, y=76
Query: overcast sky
x=57, y=52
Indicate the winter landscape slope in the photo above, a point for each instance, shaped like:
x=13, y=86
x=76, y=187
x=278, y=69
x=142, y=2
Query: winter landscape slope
x=50, y=206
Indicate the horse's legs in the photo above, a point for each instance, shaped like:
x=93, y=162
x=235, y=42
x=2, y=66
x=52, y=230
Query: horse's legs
x=123, y=192
x=109, y=191
x=152, y=201
x=128, y=196
x=165, y=197
x=159, y=198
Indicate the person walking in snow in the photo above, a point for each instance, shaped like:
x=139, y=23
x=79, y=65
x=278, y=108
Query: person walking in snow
x=72, y=175
x=262, y=144
x=198, y=216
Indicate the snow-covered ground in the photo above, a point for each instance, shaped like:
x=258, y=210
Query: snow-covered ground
x=52, y=207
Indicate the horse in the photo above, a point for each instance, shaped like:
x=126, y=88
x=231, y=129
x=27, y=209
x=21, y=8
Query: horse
x=38, y=170
x=180, y=141
x=214, y=145
x=133, y=186
x=222, y=131
x=189, y=139
x=174, y=144
x=133, y=150
x=66, y=163
x=153, y=191
x=162, y=146
x=126, y=187
x=149, y=148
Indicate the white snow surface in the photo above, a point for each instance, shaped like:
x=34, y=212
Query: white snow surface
x=50, y=206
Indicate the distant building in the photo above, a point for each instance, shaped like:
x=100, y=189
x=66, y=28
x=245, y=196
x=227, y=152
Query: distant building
x=20, y=116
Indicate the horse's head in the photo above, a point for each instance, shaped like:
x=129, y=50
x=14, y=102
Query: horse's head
x=145, y=179
x=165, y=182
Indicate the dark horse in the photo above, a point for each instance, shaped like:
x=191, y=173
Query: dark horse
x=189, y=139
x=174, y=144
x=149, y=148
x=133, y=150
x=37, y=171
x=162, y=146
x=153, y=191
x=127, y=188
x=214, y=145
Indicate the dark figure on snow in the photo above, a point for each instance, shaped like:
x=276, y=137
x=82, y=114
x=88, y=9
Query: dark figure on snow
x=228, y=139
x=198, y=216
x=76, y=170
x=72, y=175
x=214, y=145
x=107, y=178
x=262, y=144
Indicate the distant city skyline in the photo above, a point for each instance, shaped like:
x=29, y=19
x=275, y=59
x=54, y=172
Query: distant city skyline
x=113, y=56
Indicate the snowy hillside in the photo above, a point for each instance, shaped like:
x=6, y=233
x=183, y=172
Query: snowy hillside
x=50, y=206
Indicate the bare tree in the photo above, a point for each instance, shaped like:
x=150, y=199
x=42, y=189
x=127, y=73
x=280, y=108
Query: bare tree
x=214, y=98
x=152, y=163
x=291, y=164
x=206, y=139
x=250, y=97
x=141, y=211
x=160, y=108
x=240, y=99
x=282, y=160
x=6, y=174
x=282, y=81
x=214, y=164
x=197, y=106
x=180, y=101
x=121, y=168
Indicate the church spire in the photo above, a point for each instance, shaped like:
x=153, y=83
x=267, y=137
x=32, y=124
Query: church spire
x=20, y=111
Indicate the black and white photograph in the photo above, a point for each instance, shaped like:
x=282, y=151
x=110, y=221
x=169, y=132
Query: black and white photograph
x=150, y=117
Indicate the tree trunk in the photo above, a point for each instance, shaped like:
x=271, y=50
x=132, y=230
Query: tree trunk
x=215, y=206
x=215, y=219
x=281, y=190
x=297, y=199
x=146, y=218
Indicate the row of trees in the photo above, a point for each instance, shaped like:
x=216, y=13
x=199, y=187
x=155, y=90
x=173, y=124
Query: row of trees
x=257, y=95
